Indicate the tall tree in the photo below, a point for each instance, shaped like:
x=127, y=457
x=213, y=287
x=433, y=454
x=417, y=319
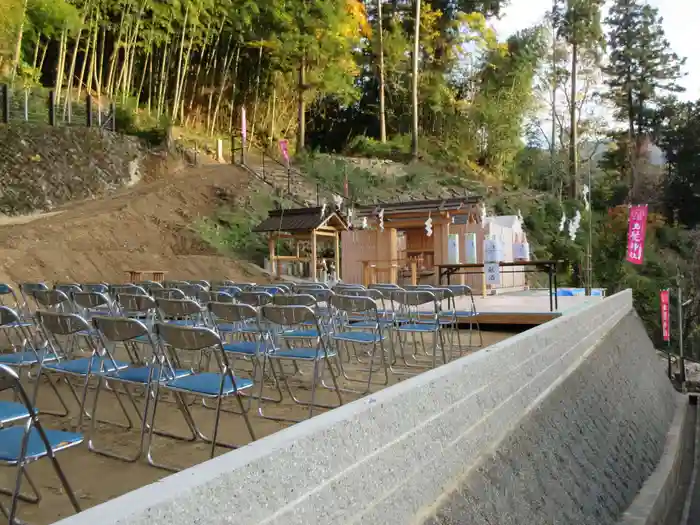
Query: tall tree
x=415, y=80
x=578, y=22
x=642, y=69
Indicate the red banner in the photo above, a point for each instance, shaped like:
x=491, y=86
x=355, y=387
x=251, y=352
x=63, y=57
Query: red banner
x=637, y=233
x=665, y=316
x=284, y=148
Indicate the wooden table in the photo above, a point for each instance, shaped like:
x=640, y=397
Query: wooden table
x=548, y=267
x=136, y=276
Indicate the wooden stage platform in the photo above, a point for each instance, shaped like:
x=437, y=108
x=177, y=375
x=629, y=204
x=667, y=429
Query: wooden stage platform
x=528, y=308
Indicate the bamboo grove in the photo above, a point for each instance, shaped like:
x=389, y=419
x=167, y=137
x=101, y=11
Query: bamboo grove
x=345, y=66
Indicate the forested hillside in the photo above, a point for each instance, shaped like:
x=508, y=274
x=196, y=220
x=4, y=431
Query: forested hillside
x=517, y=117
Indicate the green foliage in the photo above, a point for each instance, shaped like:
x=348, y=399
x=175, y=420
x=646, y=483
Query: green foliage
x=230, y=229
x=642, y=66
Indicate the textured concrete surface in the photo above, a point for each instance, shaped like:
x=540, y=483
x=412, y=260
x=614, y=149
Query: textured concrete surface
x=662, y=497
x=560, y=424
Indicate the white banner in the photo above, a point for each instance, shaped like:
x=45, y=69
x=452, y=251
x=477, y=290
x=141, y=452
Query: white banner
x=493, y=273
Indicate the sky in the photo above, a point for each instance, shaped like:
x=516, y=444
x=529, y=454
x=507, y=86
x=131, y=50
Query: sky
x=680, y=23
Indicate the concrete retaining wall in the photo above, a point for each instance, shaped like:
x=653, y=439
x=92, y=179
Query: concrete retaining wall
x=560, y=424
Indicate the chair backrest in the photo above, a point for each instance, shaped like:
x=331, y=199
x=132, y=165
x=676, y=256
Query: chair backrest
x=204, y=284
x=354, y=304
x=130, y=289
x=120, y=329
x=272, y=290
x=5, y=291
x=254, y=298
x=287, y=315
x=191, y=291
x=150, y=285
x=135, y=304
x=413, y=287
x=95, y=287
x=206, y=297
x=168, y=293
x=187, y=337
x=294, y=299
x=174, y=284
x=8, y=316
x=91, y=300
x=233, y=313
x=303, y=287
x=56, y=323
x=169, y=308
x=55, y=299
x=29, y=288
x=384, y=286
x=231, y=290
x=68, y=288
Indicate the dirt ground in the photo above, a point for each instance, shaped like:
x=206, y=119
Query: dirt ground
x=145, y=227
x=96, y=478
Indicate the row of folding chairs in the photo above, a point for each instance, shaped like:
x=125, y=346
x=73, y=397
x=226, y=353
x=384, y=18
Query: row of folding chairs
x=266, y=326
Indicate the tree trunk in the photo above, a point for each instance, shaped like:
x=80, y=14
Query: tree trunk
x=555, y=87
x=573, y=128
x=257, y=96
x=382, y=106
x=233, y=90
x=61, y=65
x=227, y=66
x=115, y=56
x=18, y=44
x=90, y=45
x=178, y=80
x=414, y=79
x=301, y=131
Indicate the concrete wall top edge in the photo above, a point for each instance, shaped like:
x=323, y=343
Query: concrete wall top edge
x=171, y=488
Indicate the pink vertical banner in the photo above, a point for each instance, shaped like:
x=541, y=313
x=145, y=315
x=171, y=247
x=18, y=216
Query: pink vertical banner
x=637, y=233
x=665, y=315
x=244, y=130
x=284, y=148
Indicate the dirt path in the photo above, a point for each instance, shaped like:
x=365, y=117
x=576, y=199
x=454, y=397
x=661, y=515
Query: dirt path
x=148, y=226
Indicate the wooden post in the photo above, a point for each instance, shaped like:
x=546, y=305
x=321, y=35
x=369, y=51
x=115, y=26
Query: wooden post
x=271, y=249
x=337, y=256
x=314, y=255
x=365, y=273
x=414, y=271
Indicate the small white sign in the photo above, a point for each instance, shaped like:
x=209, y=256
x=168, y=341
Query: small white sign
x=493, y=273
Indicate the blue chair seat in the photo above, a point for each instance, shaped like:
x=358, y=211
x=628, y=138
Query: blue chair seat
x=418, y=327
x=183, y=322
x=307, y=334
x=11, y=443
x=311, y=354
x=208, y=384
x=359, y=337
x=372, y=324
x=139, y=374
x=80, y=366
x=244, y=347
x=228, y=328
x=11, y=412
x=466, y=313
x=21, y=324
x=27, y=358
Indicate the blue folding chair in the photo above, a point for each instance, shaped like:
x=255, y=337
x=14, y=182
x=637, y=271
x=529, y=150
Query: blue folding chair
x=132, y=333
x=220, y=384
x=23, y=444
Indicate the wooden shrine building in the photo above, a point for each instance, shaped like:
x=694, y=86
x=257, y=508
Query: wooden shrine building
x=306, y=240
x=403, y=252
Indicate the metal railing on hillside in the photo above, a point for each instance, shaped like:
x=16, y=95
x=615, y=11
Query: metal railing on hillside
x=39, y=105
x=270, y=166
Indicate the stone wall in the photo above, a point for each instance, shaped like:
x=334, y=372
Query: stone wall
x=42, y=167
x=560, y=424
